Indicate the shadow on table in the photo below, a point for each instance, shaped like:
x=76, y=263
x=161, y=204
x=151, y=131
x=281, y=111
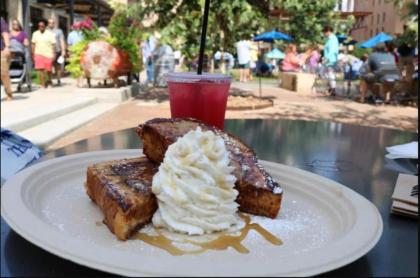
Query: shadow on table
x=34, y=261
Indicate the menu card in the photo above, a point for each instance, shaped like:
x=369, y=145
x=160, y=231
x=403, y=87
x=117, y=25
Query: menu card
x=405, y=196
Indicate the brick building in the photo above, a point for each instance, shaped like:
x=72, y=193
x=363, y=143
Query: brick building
x=383, y=17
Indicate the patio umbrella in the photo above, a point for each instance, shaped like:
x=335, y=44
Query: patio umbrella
x=275, y=54
x=379, y=38
x=271, y=37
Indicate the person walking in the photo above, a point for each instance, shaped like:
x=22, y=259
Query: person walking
x=243, y=49
x=43, y=51
x=5, y=58
x=60, y=48
x=148, y=48
x=74, y=37
x=331, y=50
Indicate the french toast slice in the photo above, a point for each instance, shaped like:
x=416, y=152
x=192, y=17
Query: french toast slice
x=259, y=194
x=123, y=191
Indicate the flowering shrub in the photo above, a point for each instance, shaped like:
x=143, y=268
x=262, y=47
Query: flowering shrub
x=124, y=35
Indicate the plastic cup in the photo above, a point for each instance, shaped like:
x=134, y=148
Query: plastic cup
x=203, y=97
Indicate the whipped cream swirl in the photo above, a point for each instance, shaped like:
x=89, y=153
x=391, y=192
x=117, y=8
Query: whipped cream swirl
x=195, y=186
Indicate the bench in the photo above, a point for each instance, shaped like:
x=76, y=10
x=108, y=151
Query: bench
x=297, y=81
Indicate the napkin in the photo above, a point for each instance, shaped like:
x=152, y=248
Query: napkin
x=16, y=153
x=60, y=60
x=409, y=150
x=405, y=197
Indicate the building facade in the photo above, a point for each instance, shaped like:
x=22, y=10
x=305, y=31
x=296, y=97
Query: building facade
x=383, y=17
x=29, y=12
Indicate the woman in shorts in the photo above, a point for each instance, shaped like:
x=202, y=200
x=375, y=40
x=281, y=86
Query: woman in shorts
x=43, y=51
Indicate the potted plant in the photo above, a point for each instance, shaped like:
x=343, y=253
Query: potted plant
x=106, y=53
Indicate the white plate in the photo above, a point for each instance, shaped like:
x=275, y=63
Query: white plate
x=324, y=225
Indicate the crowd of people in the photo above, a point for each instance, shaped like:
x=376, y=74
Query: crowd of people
x=46, y=51
x=386, y=64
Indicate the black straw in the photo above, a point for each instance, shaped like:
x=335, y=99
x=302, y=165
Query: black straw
x=203, y=37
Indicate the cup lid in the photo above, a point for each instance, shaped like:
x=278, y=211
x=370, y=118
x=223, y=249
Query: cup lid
x=193, y=77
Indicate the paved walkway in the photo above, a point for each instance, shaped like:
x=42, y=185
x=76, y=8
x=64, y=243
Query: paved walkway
x=287, y=105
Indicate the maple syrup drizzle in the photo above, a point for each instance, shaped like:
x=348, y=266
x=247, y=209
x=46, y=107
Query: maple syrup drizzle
x=223, y=242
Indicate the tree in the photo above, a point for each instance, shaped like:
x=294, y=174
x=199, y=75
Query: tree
x=410, y=15
x=179, y=23
x=306, y=19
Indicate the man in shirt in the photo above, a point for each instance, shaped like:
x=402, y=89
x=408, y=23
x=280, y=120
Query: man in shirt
x=43, y=51
x=243, y=49
x=60, y=47
x=380, y=66
x=331, y=49
x=5, y=58
x=75, y=35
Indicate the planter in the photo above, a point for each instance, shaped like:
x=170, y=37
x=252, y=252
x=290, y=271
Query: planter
x=103, y=61
x=248, y=103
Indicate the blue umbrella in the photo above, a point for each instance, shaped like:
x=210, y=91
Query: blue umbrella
x=275, y=54
x=379, y=38
x=271, y=36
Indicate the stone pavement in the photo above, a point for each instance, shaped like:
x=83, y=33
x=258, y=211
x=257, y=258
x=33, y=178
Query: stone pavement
x=45, y=115
x=287, y=105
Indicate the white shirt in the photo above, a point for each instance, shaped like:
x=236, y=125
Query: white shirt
x=244, y=52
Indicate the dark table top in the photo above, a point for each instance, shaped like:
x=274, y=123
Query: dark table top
x=351, y=155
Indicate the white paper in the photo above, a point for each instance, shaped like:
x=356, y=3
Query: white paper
x=409, y=150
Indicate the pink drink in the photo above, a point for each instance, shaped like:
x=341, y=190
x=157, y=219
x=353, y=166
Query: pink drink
x=203, y=97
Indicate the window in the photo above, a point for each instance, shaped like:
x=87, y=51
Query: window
x=378, y=17
x=371, y=33
x=383, y=17
x=371, y=20
x=377, y=31
x=379, y=2
x=373, y=1
x=383, y=29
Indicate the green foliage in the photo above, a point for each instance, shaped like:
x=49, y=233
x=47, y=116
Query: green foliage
x=308, y=17
x=76, y=51
x=411, y=34
x=125, y=34
x=359, y=52
x=179, y=21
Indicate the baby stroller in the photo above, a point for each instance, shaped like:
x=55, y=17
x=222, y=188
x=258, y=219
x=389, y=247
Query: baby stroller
x=19, y=70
